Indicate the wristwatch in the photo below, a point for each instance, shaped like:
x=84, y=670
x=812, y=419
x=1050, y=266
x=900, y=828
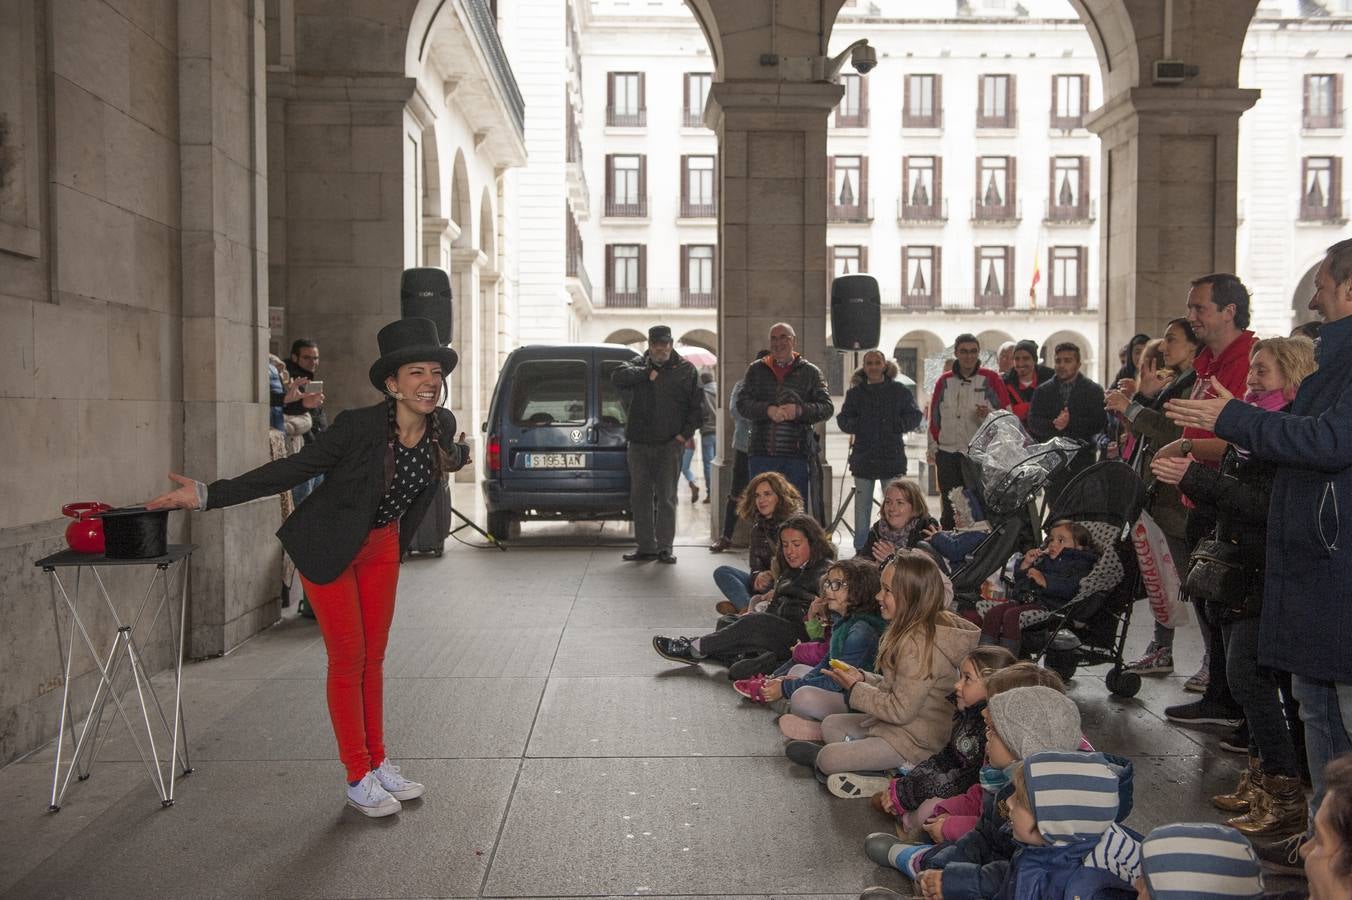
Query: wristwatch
x=1186, y=446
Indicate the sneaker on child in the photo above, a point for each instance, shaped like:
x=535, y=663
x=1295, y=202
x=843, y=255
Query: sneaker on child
x=400, y=788
x=370, y=799
x=1201, y=679
x=1158, y=660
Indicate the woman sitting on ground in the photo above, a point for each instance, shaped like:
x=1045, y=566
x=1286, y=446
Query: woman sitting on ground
x=763, y=637
x=905, y=522
x=768, y=500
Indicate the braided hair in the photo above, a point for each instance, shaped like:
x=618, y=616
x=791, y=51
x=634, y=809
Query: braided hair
x=442, y=462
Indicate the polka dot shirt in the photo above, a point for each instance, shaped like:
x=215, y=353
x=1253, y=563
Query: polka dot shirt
x=412, y=473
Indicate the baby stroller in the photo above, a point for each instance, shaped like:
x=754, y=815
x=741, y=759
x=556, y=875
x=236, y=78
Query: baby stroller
x=1013, y=472
x=1091, y=629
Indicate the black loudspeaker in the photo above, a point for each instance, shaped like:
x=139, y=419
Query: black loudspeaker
x=856, y=312
x=426, y=292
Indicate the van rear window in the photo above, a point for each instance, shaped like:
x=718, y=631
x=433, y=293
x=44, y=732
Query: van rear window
x=612, y=402
x=550, y=392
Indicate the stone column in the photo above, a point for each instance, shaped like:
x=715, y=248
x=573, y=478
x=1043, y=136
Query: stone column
x=1169, y=177
x=771, y=229
x=466, y=268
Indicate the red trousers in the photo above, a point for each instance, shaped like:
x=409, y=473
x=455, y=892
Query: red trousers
x=1002, y=621
x=354, y=612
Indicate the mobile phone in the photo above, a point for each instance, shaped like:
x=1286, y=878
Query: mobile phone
x=314, y=387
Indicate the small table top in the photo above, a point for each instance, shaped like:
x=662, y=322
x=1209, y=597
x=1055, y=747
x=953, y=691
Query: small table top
x=69, y=558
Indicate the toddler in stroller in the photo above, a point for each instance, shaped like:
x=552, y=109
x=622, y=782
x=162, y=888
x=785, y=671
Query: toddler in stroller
x=1047, y=578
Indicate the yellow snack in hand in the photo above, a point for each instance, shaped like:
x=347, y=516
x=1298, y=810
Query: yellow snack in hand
x=840, y=666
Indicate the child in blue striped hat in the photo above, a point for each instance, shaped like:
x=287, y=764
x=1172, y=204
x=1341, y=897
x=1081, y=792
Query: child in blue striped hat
x=1198, y=861
x=1063, y=812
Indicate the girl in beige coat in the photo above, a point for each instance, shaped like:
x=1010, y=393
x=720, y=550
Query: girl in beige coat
x=903, y=715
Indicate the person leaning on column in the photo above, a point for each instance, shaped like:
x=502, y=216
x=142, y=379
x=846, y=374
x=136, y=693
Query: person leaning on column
x=384, y=464
x=664, y=401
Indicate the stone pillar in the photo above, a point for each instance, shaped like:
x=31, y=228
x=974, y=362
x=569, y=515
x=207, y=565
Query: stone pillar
x=236, y=573
x=771, y=229
x=466, y=267
x=1169, y=179
x=490, y=302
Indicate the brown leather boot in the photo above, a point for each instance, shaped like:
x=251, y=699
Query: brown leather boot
x=1240, y=799
x=1279, y=811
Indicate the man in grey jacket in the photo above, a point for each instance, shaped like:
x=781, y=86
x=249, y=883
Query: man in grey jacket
x=663, y=395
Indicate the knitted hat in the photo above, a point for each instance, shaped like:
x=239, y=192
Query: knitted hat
x=1032, y=719
x=1074, y=794
x=1029, y=346
x=1199, y=860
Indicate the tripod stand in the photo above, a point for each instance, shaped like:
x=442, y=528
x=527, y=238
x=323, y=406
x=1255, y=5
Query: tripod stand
x=839, y=518
x=467, y=522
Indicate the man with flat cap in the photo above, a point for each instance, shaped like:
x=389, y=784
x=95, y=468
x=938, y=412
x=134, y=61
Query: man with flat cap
x=663, y=396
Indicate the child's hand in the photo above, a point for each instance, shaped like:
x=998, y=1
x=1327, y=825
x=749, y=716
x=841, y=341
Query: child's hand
x=847, y=677
x=888, y=806
x=934, y=827
x=929, y=532
x=931, y=882
x=1036, y=576
x=773, y=689
x=762, y=581
x=817, y=609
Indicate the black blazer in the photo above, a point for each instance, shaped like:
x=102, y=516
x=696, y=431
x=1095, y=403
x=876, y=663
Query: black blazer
x=325, y=532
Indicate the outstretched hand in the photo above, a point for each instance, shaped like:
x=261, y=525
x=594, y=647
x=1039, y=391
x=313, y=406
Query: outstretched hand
x=1200, y=413
x=182, y=497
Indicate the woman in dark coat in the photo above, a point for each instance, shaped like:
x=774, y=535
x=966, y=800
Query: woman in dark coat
x=877, y=413
x=904, y=523
x=383, y=465
x=768, y=500
x=766, y=633
x=1269, y=798
x=1022, y=380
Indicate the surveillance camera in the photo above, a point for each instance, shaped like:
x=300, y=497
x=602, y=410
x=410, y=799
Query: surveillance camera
x=864, y=59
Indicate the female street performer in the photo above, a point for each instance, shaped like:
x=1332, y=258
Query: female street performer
x=382, y=465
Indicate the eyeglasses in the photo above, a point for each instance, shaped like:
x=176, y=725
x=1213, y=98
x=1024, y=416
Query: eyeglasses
x=833, y=584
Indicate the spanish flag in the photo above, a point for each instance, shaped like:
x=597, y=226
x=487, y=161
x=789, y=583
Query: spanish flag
x=1037, y=276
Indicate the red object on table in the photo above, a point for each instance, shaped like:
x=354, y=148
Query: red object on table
x=85, y=534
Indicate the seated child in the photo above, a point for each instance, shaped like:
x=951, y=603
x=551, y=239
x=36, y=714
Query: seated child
x=1187, y=860
x=850, y=599
x=970, y=529
x=1047, y=579
x=1062, y=811
x=911, y=797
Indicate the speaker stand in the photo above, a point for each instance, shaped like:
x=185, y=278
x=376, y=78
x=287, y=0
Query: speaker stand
x=839, y=518
x=467, y=522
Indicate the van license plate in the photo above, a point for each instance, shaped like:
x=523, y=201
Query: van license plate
x=556, y=460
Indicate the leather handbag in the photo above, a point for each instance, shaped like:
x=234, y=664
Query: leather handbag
x=1220, y=579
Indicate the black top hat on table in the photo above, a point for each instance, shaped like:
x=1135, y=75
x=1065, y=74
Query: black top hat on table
x=408, y=341
x=134, y=532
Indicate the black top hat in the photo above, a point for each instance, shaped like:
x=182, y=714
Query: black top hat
x=406, y=341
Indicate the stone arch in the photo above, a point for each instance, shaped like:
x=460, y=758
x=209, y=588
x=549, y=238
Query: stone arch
x=432, y=193
x=458, y=211
x=488, y=231
x=628, y=336
x=992, y=338
x=702, y=338
x=1300, y=299
x=1087, y=361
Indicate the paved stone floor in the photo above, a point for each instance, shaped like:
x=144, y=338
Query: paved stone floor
x=562, y=757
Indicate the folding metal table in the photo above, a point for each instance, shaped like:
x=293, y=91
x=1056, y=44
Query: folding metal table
x=122, y=649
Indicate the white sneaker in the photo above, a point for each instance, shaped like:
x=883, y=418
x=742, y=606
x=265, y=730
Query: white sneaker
x=398, y=786
x=370, y=799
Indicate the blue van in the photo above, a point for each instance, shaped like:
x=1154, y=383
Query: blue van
x=555, y=437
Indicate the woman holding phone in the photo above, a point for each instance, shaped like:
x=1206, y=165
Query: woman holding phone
x=383, y=464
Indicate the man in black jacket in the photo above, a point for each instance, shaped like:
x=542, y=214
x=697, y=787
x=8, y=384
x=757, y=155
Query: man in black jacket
x=1070, y=405
x=664, y=400
x=783, y=397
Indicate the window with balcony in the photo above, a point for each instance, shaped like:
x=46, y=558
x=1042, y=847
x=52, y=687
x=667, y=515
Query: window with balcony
x=696, y=93
x=625, y=102
x=626, y=275
x=995, y=101
x=626, y=185
x=697, y=187
x=1069, y=100
x=1068, y=199
x=920, y=277
x=994, y=272
x=922, y=103
x=697, y=276
x=995, y=188
x=846, y=259
x=921, y=177
x=847, y=179
x=1069, y=283
x=1321, y=187
x=1323, y=101
x=853, y=109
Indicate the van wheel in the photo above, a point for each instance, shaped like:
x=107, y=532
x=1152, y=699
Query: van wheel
x=501, y=525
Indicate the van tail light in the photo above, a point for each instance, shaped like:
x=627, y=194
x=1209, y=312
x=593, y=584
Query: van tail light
x=494, y=454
